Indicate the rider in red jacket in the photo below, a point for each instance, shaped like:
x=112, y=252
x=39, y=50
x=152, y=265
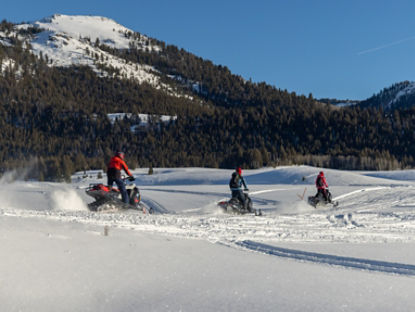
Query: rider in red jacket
x=114, y=168
x=322, y=186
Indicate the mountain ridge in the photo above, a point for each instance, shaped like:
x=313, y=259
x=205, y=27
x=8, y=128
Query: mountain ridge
x=73, y=40
x=399, y=95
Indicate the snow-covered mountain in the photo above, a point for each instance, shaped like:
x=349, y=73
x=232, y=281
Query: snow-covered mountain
x=399, y=95
x=404, y=95
x=75, y=40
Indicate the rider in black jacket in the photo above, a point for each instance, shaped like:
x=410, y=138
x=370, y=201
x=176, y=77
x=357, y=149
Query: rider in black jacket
x=235, y=184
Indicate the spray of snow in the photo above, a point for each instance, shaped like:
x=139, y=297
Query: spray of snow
x=18, y=173
x=66, y=199
x=9, y=177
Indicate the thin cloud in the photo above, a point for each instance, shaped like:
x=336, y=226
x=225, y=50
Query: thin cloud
x=386, y=46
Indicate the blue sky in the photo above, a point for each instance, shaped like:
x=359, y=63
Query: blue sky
x=330, y=48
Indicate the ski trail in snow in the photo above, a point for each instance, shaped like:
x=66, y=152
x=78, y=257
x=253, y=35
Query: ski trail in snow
x=348, y=262
x=267, y=191
x=359, y=191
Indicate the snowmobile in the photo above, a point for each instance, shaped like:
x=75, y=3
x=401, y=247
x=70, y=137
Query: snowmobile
x=108, y=198
x=235, y=206
x=319, y=200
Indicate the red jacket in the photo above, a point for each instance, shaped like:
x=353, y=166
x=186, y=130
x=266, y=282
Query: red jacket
x=117, y=164
x=321, y=182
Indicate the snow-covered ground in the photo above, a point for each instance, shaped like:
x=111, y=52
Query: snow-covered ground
x=55, y=255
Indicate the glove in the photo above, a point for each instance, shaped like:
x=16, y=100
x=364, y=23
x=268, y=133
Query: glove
x=246, y=190
x=131, y=178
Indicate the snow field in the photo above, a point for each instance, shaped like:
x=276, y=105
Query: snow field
x=57, y=255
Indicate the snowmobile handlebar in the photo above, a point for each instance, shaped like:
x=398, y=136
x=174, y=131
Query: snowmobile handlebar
x=129, y=178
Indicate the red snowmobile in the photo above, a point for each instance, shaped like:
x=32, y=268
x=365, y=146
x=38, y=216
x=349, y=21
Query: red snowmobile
x=108, y=198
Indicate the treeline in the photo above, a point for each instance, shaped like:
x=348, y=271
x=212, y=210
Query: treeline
x=54, y=121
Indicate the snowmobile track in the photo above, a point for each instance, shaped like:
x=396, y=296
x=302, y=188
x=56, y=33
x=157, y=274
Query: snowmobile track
x=347, y=262
x=157, y=208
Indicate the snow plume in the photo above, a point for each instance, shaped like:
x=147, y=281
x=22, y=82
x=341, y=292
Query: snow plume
x=66, y=199
x=9, y=177
x=18, y=173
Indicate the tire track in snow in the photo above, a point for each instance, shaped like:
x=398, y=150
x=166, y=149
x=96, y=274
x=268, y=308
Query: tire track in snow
x=347, y=262
x=155, y=206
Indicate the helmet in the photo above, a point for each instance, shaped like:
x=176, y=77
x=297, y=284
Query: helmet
x=239, y=170
x=321, y=173
x=120, y=154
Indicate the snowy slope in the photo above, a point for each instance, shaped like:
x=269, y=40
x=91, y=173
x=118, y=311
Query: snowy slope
x=144, y=119
x=104, y=29
x=407, y=91
x=190, y=256
x=399, y=95
x=70, y=40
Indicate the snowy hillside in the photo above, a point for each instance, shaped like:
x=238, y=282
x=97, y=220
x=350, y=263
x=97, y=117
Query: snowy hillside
x=105, y=30
x=190, y=256
x=74, y=40
x=407, y=91
x=399, y=95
